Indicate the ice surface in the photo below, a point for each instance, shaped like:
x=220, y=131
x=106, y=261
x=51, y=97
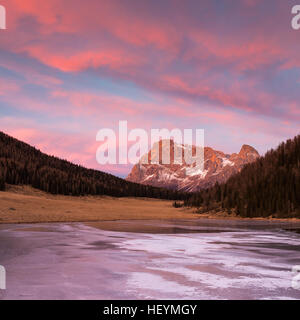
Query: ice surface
x=219, y=260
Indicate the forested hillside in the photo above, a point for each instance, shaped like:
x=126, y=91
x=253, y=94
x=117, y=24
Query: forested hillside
x=22, y=164
x=268, y=186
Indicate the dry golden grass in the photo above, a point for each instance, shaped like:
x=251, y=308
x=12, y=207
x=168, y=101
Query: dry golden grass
x=27, y=205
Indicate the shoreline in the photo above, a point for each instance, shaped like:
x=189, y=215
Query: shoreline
x=189, y=216
x=224, y=216
x=25, y=205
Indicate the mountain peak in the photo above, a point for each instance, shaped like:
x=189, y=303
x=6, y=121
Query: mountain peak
x=248, y=151
x=218, y=167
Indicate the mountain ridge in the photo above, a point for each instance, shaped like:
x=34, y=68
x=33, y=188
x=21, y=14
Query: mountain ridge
x=218, y=167
x=267, y=187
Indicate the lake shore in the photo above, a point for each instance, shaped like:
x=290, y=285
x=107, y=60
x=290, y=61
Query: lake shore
x=23, y=204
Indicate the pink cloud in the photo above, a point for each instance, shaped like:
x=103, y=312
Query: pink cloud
x=73, y=62
x=142, y=47
x=196, y=65
x=8, y=86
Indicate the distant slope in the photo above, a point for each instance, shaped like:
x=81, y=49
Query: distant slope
x=268, y=186
x=21, y=163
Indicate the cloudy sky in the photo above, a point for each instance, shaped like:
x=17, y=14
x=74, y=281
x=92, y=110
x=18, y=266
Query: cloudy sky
x=70, y=68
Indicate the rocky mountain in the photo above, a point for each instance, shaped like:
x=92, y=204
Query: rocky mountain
x=179, y=175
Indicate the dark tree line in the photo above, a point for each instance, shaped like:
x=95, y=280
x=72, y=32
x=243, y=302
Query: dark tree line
x=268, y=186
x=22, y=164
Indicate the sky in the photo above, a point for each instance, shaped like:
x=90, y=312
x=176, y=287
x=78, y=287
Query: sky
x=71, y=68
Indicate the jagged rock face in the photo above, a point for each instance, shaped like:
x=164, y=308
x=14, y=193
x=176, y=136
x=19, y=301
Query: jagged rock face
x=218, y=167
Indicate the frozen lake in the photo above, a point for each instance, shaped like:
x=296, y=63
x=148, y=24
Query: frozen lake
x=203, y=259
